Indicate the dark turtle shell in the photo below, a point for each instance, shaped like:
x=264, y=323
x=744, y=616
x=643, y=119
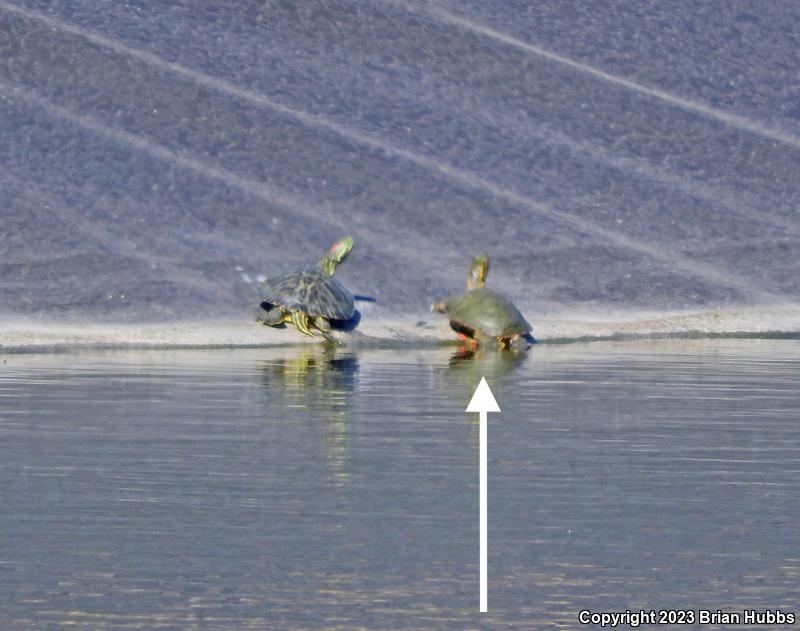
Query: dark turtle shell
x=310, y=291
x=486, y=312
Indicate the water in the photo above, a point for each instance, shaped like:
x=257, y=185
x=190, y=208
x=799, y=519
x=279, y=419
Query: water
x=311, y=488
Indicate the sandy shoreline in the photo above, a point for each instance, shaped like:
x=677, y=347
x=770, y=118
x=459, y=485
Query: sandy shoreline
x=410, y=331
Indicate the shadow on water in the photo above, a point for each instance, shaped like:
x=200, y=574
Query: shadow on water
x=322, y=380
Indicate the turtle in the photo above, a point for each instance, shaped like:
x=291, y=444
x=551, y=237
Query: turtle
x=481, y=314
x=309, y=298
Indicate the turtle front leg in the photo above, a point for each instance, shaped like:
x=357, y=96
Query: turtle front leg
x=300, y=320
x=271, y=317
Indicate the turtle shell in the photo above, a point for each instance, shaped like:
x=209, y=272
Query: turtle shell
x=310, y=291
x=486, y=312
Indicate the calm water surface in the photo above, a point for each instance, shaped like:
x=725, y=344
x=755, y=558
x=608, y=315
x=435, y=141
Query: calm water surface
x=290, y=488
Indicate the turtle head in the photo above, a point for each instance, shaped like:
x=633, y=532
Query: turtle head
x=478, y=272
x=336, y=254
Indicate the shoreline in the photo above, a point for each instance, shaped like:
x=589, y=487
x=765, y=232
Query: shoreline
x=411, y=332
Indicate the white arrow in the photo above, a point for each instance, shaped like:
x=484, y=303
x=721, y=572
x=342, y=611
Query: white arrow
x=483, y=402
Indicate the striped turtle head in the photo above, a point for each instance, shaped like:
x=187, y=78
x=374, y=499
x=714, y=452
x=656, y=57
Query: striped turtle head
x=478, y=272
x=337, y=253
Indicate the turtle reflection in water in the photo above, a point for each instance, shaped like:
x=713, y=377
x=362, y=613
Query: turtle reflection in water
x=310, y=298
x=316, y=383
x=481, y=315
